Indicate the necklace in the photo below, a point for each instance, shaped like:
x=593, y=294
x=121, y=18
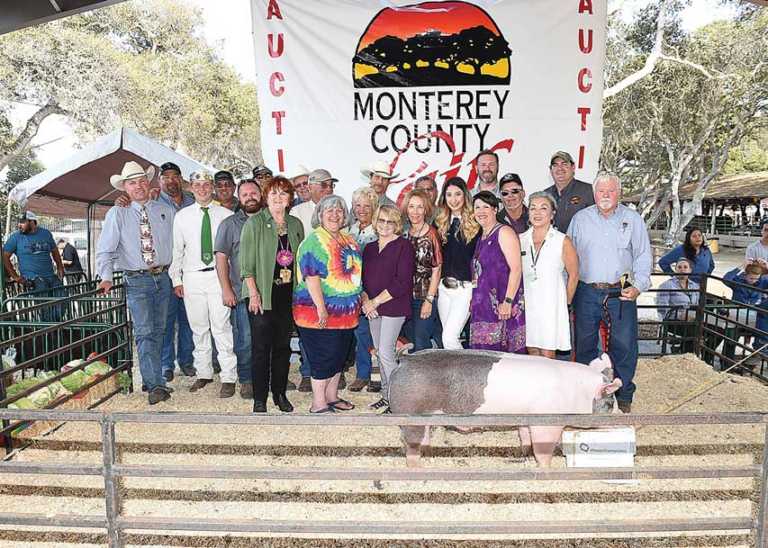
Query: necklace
x=417, y=234
x=493, y=229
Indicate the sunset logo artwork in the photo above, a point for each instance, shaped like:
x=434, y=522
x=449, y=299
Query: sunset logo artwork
x=432, y=44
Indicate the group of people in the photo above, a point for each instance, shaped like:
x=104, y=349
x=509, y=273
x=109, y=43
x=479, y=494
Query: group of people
x=240, y=265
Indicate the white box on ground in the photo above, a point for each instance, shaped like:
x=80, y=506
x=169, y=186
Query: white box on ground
x=605, y=447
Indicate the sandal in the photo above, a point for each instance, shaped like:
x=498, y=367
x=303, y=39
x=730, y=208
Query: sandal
x=335, y=405
x=328, y=409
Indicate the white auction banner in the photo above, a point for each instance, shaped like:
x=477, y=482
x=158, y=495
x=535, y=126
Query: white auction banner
x=426, y=86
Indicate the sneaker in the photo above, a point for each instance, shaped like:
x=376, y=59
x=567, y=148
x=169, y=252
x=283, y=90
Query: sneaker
x=227, y=390
x=246, y=391
x=383, y=403
x=374, y=386
x=357, y=385
x=342, y=381
x=158, y=394
x=305, y=385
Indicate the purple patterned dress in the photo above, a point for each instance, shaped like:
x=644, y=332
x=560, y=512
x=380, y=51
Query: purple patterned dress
x=491, y=272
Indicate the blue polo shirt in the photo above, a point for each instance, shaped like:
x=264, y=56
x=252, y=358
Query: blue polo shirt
x=33, y=251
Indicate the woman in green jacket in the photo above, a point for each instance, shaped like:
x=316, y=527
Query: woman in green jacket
x=268, y=246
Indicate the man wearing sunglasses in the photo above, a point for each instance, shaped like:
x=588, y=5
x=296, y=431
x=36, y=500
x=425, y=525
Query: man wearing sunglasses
x=224, y=186
x=320, y=184
x=514, y=213
x=570, y=194
x=300, y=182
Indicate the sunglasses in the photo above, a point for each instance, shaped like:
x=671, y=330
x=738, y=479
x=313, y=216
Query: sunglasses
x=506, y=193
x=301, y=185
x=326, y=184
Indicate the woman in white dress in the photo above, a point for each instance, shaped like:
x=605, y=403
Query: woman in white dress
x=548, y=255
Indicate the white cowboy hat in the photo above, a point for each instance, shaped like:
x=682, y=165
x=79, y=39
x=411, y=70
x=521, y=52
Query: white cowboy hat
x=379, y=168
x=131, y=170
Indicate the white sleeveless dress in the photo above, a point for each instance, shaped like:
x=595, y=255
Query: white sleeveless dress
x=547, y=324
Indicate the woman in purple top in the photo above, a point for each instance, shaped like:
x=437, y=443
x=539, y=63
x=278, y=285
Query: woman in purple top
x=497, y=319
x=388, y=267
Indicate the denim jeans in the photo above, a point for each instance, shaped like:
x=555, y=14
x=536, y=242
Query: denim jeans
x=422, y=332
x=241, y=333
x=176, y=329
x=622, y=341
x=147, y=297
x=363, y=345
x=50, y=312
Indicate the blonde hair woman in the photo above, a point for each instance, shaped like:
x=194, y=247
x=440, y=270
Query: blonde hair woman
x=459, y=232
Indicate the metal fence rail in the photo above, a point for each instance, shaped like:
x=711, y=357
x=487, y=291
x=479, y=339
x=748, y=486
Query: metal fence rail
x=116, y=523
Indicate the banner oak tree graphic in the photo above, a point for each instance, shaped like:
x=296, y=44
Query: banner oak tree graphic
x=432, y=44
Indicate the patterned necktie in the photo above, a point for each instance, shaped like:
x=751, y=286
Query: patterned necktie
x=147, y=245
x=206, y=241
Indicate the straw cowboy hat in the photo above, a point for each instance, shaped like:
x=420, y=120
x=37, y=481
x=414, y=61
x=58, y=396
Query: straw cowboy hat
x=379, y=168
x=131, y=170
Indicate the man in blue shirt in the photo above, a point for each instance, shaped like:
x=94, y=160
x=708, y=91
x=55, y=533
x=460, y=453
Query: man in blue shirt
x=138, y=240
x=612, y=243
x=34, y=248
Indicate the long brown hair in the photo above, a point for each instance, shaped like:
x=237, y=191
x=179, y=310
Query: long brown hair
x=469, y=226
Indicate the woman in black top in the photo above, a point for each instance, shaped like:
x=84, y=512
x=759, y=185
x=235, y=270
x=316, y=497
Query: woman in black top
x=459, y=232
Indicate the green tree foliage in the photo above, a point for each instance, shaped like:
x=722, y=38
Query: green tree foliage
x=142, y=64
x=679, y=123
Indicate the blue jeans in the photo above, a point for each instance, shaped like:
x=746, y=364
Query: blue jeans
x=182, y=333
x=363, y=344
x=241, y=335
x=622, y=341
x=50, y=312
x=147, y=297
x=422, y=332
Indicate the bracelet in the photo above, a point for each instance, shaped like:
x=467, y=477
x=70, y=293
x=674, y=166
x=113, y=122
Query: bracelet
x=430, y=298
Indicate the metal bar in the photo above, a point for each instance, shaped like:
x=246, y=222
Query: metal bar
x=700, y=316
x=440, y=420
x=423, y=474
x=111, y=491
x=431, y=528
x=391, y=420
x=15, y=467
x=761, y=532
x=54, y=520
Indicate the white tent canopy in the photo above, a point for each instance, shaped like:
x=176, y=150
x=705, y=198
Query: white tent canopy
x=70, y=187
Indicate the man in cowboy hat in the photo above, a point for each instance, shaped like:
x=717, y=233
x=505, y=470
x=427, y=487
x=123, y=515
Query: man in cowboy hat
x=300, y=181
x=194, y=279
x=379, y=176
x=137, y=240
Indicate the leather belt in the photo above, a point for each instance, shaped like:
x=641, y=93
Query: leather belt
x=206, y=269
x=452, y=283
x=153, y=270
x=601, y=285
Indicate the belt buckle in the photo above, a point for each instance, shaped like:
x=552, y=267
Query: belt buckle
x=450, y=282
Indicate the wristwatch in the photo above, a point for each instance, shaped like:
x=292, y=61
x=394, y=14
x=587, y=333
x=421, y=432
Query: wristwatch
x=430, y=298
x=508, y=300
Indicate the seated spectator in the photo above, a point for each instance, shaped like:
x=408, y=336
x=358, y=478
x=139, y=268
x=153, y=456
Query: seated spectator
x=693, y=248
x=677, y=300
x=758, y=251
x=751, y=274
x=388, y=266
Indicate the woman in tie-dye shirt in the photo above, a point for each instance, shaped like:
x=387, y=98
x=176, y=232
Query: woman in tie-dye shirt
x=326, y=300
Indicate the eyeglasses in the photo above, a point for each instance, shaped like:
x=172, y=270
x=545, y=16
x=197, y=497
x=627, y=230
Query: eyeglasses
x=506, y=193
x=326, y=184
x=301, y=184
x=387, y=222
x=262, y=176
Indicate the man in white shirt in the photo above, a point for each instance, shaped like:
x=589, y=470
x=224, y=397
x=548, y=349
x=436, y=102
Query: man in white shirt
x=194, y=279
x=320, y=184
x=758, y=251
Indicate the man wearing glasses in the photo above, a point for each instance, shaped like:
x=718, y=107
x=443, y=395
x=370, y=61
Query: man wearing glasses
x=224, y=184
x=514, y=213
x=300, y=183
x=570, y=194
x=320, y=184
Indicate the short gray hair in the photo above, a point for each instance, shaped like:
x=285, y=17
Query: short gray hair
x=606, y=176
x=543, y=194
x=330, y=202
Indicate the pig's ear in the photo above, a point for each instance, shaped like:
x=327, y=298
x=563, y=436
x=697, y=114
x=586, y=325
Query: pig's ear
x=605, y=390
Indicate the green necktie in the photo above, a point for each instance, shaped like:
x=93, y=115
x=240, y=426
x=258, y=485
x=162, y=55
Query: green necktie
x=206, y=242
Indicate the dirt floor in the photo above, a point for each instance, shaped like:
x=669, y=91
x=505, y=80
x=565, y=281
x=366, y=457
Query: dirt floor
x=661, y=383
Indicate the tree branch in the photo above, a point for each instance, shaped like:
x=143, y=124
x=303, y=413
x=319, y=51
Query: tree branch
x=22, y=142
